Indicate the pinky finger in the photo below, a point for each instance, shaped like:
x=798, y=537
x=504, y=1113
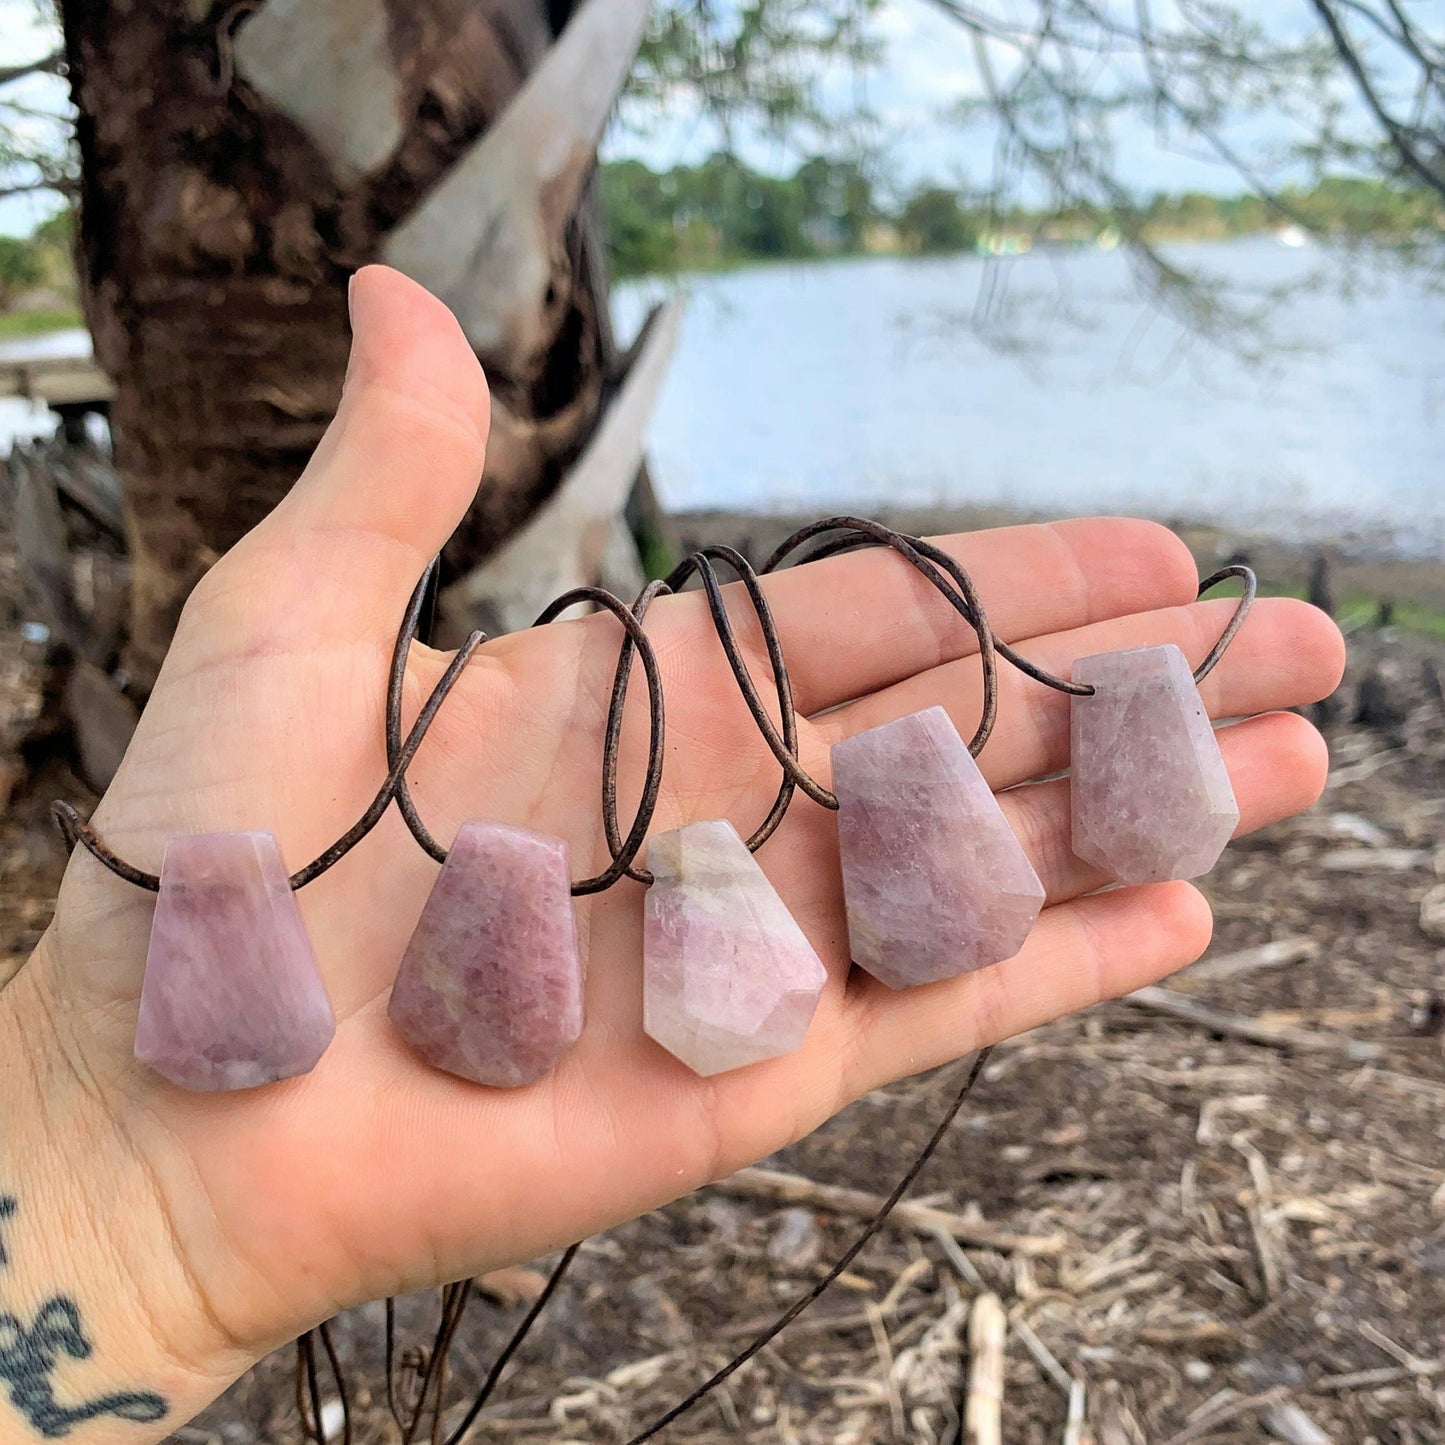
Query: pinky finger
x=1079, y=954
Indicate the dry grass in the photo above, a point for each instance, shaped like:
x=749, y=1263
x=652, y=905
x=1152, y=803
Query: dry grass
x=1159, y=1229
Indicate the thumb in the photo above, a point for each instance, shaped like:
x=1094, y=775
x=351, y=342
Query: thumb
x=400, y=463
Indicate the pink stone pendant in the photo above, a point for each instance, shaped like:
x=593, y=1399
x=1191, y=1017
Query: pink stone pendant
x=1150, y=793
x=728, y=977
x=490, y=986
x=934, y=880
x=232, y=996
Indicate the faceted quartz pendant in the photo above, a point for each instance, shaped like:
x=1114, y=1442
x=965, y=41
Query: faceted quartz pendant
x=490, y=986
x=1150, y=793
x=232, y=996
x=728, y=977
x=934, y=880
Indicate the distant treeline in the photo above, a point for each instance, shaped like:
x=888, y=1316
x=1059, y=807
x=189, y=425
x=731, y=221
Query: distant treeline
x=722, y=212
x=42, y=258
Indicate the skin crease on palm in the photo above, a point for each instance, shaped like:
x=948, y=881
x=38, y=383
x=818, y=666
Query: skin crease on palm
x=374, y=1173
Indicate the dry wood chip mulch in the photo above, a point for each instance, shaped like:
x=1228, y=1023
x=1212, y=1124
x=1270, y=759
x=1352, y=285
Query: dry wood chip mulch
x=1184, y=1231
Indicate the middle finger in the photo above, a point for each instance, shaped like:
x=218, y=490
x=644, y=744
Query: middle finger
x=1287, y=654
x=1277, y=766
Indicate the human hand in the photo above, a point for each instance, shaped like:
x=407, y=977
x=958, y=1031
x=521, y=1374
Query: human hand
x=209, y=1228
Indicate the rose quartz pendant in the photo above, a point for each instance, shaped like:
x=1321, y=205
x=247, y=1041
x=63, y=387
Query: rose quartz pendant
x=728, y=976
x=490, y=986
x=934, y=880
x=232, y=996
x=1150, y=793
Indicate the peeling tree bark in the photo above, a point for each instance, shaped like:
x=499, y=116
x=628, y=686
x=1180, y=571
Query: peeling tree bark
x=216, y=238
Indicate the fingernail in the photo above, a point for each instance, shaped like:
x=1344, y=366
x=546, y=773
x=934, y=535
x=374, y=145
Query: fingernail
x=355, y=309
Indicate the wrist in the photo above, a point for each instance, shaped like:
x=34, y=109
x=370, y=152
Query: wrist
x=102, y=1334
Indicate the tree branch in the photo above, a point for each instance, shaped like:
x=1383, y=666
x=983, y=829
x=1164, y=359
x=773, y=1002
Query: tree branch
x=1403, y=142
x=50, y=65
x=65, y=186
x=1207, y=133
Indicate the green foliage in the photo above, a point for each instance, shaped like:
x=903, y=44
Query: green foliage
x=1193, y=215
x=1056, y=94
x=642, y=234
x=20, y=268
x=42, y=259
x=1416, y=618
x=16, y=324
x=1361, y=610
x=1354, y=207
x=58, y=233
x=933, y=220
x=751, y=62
x=722, y=212
x=1357, y=207
x=838, y=201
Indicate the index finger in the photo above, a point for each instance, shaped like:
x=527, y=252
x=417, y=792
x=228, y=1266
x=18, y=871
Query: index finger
x=856, y=623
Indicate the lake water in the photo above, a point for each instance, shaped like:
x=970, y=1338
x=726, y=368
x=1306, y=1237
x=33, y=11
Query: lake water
x=849, y=384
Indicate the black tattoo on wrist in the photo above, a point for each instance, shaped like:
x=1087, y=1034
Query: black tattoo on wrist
x=29, y=1355
x=8, y=1206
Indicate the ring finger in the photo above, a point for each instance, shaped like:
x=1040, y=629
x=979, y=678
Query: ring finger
x=1287, y=654
x=1277, y=765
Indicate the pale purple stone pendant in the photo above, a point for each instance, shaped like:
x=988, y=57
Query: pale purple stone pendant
x=1150, y=793
x=232, y=996
x=490, y=986
x=728, y=977
x=934, y=880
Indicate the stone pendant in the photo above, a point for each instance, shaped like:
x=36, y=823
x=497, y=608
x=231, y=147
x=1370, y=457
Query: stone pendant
x=232, y=996
x=728, y=976
x=490, y=986
x=934, y=880
x=1151, y=796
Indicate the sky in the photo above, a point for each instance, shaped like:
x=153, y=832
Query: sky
x=25, y=36
x=925, y=70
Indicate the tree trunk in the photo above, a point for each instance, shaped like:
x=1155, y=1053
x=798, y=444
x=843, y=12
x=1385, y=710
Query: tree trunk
x=218, y=230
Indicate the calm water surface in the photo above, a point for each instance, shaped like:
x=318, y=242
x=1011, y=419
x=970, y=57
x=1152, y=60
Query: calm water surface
x=854, y=383
x=857, y=383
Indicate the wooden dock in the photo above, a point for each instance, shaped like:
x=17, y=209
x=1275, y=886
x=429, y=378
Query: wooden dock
x=57, y=368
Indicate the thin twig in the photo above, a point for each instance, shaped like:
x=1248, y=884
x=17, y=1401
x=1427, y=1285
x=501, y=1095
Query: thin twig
x=773, y=1184
x=1241, y=1026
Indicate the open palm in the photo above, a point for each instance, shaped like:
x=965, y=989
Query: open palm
x=375, y=1173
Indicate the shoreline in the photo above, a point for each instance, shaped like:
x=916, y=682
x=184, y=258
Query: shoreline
x=1359, y=579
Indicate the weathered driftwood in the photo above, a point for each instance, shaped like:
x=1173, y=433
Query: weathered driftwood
x=1290, y=1424
x=1368, y=860
x=356, y=120
x=757, y=1183
x=983, y=1409
x=487, y=238
x=1432, y=911
x=58, y=369
x=328, y=65
x=1215, y=968
x=88, y=481
x=104, y=720
x=1225, y=1408
x=579, y=536
x=1240, y=1026
x=925, y=1381
x=78, y=592
x=43, y=548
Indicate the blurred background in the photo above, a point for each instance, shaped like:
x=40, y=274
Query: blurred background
x=735, y=264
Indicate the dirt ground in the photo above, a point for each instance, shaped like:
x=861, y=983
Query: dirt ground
x=1223, y=1231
